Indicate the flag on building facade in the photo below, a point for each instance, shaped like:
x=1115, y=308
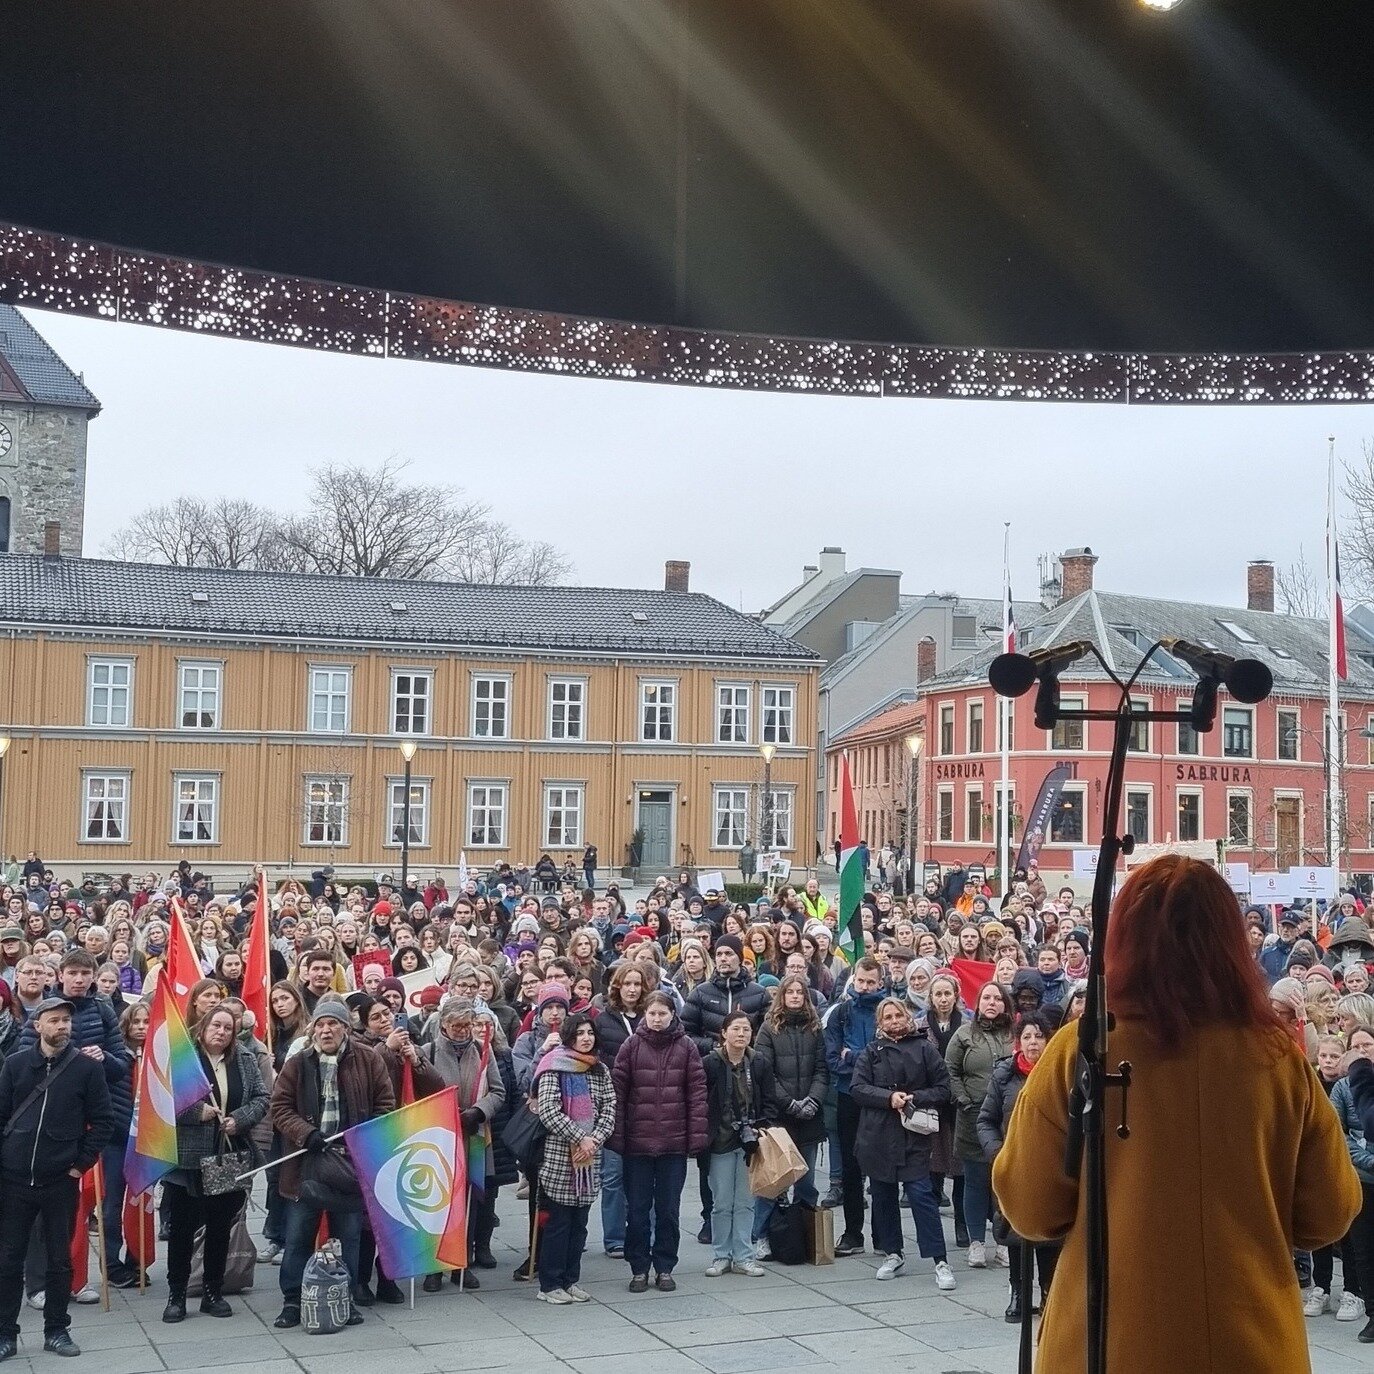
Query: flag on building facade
x=170, y=1079
x=414, y=1183
x=850, y=919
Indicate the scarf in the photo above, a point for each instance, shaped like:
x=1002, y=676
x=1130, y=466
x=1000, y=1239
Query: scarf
x=1023, y=1065
x=1076, y=971
x=575, y=1096
x=329, y=1094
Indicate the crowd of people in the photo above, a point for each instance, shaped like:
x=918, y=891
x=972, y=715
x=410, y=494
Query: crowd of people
x=648, y=1035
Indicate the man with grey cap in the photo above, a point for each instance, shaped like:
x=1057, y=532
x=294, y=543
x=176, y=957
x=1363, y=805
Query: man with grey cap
x=329, y=1086
x=55, y=1118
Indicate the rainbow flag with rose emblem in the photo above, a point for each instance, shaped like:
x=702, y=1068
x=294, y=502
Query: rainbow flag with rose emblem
x=414, y=1178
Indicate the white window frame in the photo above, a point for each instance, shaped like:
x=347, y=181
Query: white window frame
x=561, y=801
x=975, y=706
x=940, y=710
x=112, y=663
x=942, y=794
x=1249, y=711
x=730, y=804
x=1179, y=793
x=506, y=697
x=1279, y=714
x=970, y=794
x=784, y=819
x=1070, y=702
x=105, y=776
x=1341, y=751
x=657, y=684
x=415, y=675
x=1006, y=796
x=332, y=782
x=199, y=780
x=495, y=799
x=732, y=712
x=1080, y=790
x=1249, y=794
x=316, y=671
x=186, y=667
x=783, y=730
x=1148, y=792
x=1148, y=704
x=1006, y=720
x=395, y=811
x=569, y=705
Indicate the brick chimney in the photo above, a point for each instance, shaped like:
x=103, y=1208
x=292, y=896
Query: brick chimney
x=676, y=575
x=1077, y=572
x=1259, y=585
x=52, y=539
x=925, y=660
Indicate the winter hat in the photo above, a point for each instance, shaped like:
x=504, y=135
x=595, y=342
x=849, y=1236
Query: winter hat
x=550, y=992
x=382, y=908
x=731, y=942
x=331, y=1008
x=525, y=925
x=635, y=937
x=1317, y=971
x=815, y=929
x=1290, y=993
x=431, y=997
x=392, y=985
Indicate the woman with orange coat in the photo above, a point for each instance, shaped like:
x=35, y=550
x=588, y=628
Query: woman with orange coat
x=1235, y=1158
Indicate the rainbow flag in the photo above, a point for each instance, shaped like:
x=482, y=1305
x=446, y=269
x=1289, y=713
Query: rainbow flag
x=414, y=1182
x=170, y=1079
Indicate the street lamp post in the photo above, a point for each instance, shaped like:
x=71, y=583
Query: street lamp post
x=407, y=753
x=768, y=750
x=913, y=744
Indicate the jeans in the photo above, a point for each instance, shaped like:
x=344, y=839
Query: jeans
x=803, y=1191
x=977, y=1198
x=847, y=1111
x=612, y=1200
x=189, y=1214
x=653, y=1187
x=302, y=1223
x=113, y=1206
x=589, y=878
x=560, y=1247
x=53, y=1205
x=832, y=1135
x=925, y=1211
x=732, y=1215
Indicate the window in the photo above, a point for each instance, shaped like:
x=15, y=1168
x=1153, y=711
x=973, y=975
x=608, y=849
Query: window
x=944, y=814
x=487, y=814
x=109, y=692
x=562, y=816
x=1002, y=797
x=777, y=715
x=326, y=811
x=195, y=817
x=780, y=822
x=887, y=764
x=1189, y=816
x=1237, y=732
x=964, y=629
x=329, y=691
x=1138, y=816
x=1288, y=735
x=732, y=714
x=1067, y=821
x=106, y=806
x=396, y=811
x=410, y=698
x=975, y=727
x=1069, y=734
x=1006, y=723
x=947, y=729
x=658, y=707
x=1340, y=735
x=4, y=524
x=1139, y=743
x=731, y=816
x=973, y=815
x=200, y=696
x=1187, y=738
x=566, y=697
x=490, y=707
x=1238, y=818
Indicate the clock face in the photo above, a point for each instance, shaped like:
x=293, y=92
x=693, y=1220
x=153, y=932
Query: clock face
x=6, y=440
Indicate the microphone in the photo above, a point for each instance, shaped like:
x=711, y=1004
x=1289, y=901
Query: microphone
x=1247, y=679
x=1013, y=675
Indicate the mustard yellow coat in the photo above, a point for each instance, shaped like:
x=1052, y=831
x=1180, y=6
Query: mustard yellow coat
x=1235, y=1158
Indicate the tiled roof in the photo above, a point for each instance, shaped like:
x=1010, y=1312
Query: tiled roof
x=886, y=722
x=88, y=592
x=1122, y=627
x=46, y=378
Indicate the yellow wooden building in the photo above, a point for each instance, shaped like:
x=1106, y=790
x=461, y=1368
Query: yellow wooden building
x=224, y=717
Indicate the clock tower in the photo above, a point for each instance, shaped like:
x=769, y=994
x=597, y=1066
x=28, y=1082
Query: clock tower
x=45, y=408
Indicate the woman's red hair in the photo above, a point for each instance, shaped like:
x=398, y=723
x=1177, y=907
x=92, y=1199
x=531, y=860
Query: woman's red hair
x=1177, y=954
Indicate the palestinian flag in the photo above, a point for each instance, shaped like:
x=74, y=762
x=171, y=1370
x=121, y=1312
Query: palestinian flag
x=849, y=921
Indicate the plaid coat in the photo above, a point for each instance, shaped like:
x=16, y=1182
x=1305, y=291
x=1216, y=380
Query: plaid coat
x=556, y=1180
x=248, y=1100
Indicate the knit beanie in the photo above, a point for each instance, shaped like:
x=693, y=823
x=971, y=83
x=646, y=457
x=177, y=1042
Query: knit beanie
x=393, y=985
x=550, y=992
x=332, y=1007
x=731, y=942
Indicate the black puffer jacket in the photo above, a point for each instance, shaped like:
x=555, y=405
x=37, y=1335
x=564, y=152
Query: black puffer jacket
x=709, y=1004
x=660, y=1094
x=613, y=1029
x=503, y=1162
x=64, y=1129
x=995, y=1114
x=795, y=1059
x=885, y=1149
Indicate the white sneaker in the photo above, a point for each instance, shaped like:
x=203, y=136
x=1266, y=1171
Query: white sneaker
x=577, y=1293
x=274, y=1254
x=716, y=1268
x=944, y=1277
x=87, y=1295
x=977, y=1255
x=762, y=1250
x=36, y=1301
x=891, y=1266
x=558, y=1296
x=751, y=1269
x=1350, y=1310
x=1003, y=1257
x=1315, y=1303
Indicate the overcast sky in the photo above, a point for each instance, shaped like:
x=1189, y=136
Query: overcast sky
x=747, y=486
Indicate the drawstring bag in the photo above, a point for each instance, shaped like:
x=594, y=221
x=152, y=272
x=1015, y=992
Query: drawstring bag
x=787, y=1232
x=326, y=1292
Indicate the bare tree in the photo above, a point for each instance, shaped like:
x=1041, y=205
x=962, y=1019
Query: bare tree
x=1299, y=588
x=1357, y=540
x=194, y=533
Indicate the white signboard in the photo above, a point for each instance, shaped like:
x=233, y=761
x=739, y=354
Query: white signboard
x=710, y=882
x=1085, y=861
x=1238, y=878
x=1271, y=889
x=1314, y=882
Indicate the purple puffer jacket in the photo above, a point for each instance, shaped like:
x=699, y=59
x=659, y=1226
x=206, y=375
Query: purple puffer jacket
x=660, y=1094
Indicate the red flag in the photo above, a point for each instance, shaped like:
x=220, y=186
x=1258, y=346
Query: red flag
x=140, y=1227
x=972, y=974
x=407, y=1083
x=257, y=964
x=183, y=967
x=81, y=1244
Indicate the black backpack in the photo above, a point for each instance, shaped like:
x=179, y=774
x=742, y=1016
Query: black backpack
x=787, y=1233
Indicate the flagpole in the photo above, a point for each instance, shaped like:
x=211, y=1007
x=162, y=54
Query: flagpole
x=1004, y=708
x=1333, y=760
